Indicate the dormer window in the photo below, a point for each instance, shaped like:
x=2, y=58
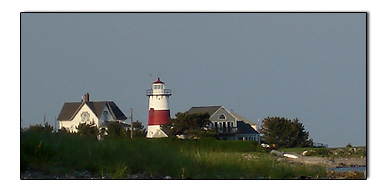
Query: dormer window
x=105, y=115
x=222, y=116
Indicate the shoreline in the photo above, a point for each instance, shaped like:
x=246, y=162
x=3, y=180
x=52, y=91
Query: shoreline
x=331, y=162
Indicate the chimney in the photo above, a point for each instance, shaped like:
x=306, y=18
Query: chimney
x=86, y=97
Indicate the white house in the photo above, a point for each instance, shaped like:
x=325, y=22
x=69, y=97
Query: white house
x=99, y=113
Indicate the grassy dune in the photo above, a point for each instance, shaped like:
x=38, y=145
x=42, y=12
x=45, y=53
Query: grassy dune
x=64, y=154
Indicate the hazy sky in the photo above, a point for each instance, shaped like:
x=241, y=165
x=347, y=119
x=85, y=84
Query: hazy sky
x=306, y=65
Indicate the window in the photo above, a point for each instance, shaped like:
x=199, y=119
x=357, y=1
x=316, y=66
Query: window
x=105, y=115
x=84, y=117
x=222, y=116
x=156, y=87
x=229, y=127
x=220, y=127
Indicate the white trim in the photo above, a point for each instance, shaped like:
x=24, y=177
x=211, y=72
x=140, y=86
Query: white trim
x=226, y=111
x=217, y=110
x=80, y=107
x=77, y=110
x=89, y=110
x=85, y=117
x=110, y=111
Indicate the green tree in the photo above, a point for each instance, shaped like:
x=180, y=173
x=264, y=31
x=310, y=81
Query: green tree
x=138, y=129
x=115, y=129
x=39, y=127
x=193, y=125
x=285, y=132
x=90, y=130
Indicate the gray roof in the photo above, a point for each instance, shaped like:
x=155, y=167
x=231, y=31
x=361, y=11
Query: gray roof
x=204, y=109
x=70, y=109
x=245, y=128
x=123, y=125
x=241, y=118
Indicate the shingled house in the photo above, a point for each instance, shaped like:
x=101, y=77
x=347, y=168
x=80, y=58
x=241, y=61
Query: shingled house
x=99, y=113
x=228, y=126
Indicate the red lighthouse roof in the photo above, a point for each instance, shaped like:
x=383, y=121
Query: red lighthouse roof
x=158, y=81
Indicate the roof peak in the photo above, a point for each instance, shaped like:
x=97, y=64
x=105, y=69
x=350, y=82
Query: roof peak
x=210, y=106
x=204, y=109
x=88, y=101
x=158, y=81
x=70, y=109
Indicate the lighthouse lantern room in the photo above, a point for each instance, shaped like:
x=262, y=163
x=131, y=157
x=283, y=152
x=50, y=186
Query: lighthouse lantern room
x=159, y=113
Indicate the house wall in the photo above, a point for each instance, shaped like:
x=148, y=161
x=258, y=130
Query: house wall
x=248, y=137
x=109, y=115
x=223, y=125
x=71, y=125
x=215, y=116
x=154, y=131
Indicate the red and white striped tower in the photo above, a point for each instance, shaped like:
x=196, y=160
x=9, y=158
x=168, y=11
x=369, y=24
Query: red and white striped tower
x=159, y=113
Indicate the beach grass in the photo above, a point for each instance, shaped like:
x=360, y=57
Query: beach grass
x=63, y=154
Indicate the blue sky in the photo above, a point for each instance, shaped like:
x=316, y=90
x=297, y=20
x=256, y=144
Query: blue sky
x=306, y=65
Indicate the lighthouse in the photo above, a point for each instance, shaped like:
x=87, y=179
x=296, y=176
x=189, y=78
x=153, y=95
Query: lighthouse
x=159, y=113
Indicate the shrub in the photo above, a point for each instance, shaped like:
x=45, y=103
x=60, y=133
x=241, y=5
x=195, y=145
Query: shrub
x=39, y=127
x=89, y=130
x=115, y=129
x=323, y=152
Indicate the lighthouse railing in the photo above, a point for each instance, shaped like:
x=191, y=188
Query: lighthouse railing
x=166, y=92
